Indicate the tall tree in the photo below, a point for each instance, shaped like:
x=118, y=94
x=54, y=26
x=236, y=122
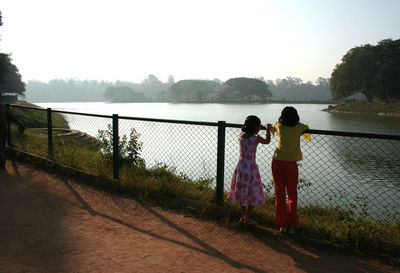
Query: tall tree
x=371, y=70
x=10, y=79
x=388, y=74
x=3, y=66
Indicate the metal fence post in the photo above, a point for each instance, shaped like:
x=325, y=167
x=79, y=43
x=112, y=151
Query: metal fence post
x=8, y=129
x=115, y=147
x=220, y=161
x=50, y=133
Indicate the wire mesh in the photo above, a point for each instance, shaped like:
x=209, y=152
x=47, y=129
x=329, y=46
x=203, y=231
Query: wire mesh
x=356, y=174
x=78, y=144
x=188, y=149
x=361, y=175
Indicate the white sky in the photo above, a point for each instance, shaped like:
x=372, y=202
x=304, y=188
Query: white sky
x=189, y=39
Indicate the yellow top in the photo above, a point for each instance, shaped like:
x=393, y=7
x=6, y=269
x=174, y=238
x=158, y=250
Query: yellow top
x=288, y=146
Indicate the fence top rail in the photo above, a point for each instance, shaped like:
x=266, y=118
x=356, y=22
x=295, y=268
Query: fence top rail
x=205, y=123
x=62, y=112
x=231, y=125
x=124, y=117
x=353, y=134
x=82, y=114
x=336, y=133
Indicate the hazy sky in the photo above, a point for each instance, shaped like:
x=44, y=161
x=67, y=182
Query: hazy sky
x=189, y=39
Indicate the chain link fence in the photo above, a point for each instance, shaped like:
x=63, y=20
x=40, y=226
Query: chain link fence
x=358, y=173
x=188, y=147
x=341, y=171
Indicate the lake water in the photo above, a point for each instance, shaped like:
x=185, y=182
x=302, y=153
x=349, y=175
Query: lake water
x=337, y=171
x=310, y=114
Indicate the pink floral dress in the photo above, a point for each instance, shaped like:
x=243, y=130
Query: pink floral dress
x=246, y=186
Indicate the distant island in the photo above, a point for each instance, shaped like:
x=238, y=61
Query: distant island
x=377, y=108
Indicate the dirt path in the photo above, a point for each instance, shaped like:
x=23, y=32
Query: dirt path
x=48, y=224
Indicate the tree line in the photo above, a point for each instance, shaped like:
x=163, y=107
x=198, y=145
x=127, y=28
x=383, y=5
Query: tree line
x=153, y=90
x=371, y=70
x=75, y=90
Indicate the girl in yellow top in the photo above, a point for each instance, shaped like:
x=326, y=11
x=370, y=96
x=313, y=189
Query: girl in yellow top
x=284, y=167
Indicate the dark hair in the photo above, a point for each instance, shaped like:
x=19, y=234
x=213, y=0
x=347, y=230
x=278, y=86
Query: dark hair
x=251, y=124
x=289, y=116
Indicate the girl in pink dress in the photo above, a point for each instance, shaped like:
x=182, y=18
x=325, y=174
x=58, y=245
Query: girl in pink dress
x=246, y=186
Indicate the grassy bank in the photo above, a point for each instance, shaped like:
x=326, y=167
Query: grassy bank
x=164, y=186
x=379, y=108
x=38, y=119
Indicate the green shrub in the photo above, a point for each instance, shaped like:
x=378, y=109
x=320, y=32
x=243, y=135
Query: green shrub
x=129, y=149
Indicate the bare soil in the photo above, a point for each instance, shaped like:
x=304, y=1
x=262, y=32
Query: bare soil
x=50, y=224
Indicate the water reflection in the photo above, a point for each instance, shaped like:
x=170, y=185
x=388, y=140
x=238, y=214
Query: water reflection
x=362, y=123
x=349, y=170
x=374, y=161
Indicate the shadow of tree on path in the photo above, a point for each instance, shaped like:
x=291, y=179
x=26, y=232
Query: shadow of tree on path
x=308, y=258
x=29, y=216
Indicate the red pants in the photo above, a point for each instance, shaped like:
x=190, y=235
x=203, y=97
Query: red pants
x=285, y=175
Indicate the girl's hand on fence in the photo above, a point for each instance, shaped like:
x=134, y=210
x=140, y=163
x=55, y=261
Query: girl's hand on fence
x=307, y=137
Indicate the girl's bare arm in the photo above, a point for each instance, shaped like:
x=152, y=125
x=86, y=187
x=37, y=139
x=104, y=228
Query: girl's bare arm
x=267, y=138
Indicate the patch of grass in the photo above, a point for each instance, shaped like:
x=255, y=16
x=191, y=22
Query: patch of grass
x=346, y=229
x=69, y=151
x=163, y=185
x=37, y=119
